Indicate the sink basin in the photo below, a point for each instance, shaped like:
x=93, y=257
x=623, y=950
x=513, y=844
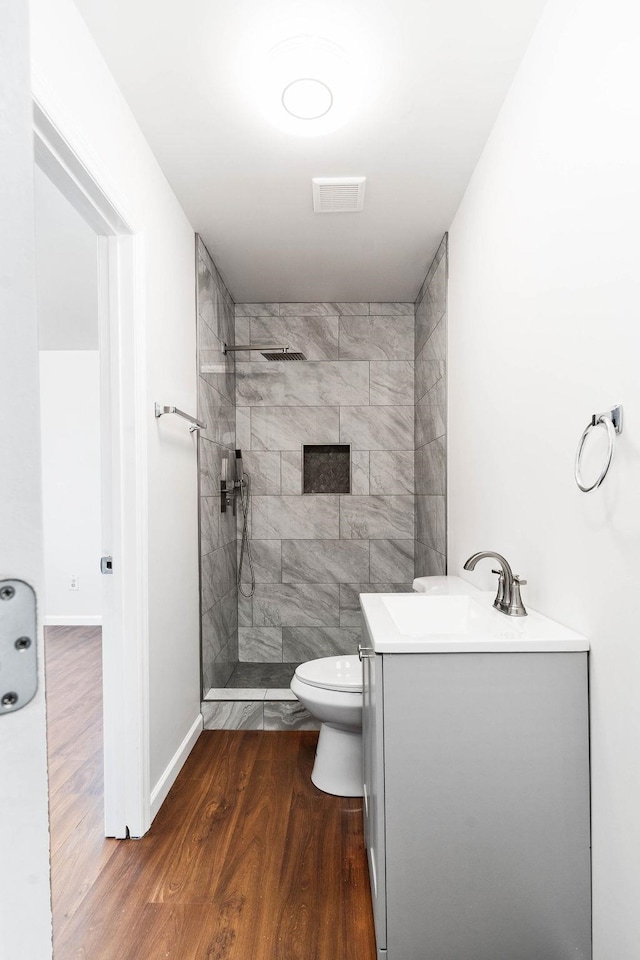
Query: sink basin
x=452, y=616
x=443, y=614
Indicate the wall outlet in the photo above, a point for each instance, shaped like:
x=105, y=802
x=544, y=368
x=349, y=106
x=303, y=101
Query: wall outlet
x=74, y=582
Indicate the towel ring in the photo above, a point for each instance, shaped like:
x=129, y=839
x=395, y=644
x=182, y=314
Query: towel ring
x=612, y=422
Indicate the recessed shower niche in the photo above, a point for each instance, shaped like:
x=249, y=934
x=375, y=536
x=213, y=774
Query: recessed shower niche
x=326, y=468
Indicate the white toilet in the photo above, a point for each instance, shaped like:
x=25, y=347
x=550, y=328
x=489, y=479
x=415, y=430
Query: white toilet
x=331, y=690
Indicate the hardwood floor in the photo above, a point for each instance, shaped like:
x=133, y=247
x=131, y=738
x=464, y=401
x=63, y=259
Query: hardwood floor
x=73, y=664
x=246, y=860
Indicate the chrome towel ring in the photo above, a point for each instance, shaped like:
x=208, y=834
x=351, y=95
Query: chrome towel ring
x=612, y=423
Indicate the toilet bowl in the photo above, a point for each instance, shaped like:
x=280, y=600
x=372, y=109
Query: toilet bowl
x=331, y=690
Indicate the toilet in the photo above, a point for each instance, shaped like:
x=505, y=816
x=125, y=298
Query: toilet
x=331, y=690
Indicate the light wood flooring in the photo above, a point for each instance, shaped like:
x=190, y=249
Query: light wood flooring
x=246, y=860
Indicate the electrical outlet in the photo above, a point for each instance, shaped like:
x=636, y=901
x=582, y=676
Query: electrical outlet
x=74, y=582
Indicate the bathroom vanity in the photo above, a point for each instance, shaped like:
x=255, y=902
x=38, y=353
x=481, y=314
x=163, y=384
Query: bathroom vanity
x=476, y=779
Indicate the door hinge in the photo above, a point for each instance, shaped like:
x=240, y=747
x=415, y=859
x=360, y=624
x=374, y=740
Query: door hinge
x=18, y=661
x=106, y=564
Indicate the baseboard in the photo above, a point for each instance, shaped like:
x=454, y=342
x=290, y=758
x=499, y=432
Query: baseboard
x=166, y=781
x=75, y=620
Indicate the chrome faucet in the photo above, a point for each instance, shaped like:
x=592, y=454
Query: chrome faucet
x=508, y=599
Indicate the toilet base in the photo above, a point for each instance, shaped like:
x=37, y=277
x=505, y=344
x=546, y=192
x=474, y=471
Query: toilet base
x=338, y=766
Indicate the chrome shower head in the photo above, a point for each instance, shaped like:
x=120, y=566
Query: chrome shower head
x=270, y=351
x=285, y=355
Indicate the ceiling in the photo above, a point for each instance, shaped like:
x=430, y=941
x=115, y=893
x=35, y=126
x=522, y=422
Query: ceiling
x=432, y=77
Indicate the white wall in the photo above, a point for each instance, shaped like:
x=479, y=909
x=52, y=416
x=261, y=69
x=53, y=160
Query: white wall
x=76, y=89
x=70, y=427
x=66, y=272
x=544, y=304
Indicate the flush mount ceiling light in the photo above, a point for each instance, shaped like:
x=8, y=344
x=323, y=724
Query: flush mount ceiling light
x=307, y=99
x=306, y=85
x=338, y=44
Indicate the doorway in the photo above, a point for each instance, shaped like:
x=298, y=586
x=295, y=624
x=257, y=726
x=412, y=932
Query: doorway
x=121, y=515
x=72, y=494
x=70, y=408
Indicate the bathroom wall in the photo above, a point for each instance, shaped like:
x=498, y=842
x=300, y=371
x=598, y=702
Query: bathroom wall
x=314, y=553
x=216, y=406
x=76, y=90
x=544, y=301
x=431, y=418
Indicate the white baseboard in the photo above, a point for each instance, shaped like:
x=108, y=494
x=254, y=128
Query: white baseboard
x=166, y=781
x=73, y=620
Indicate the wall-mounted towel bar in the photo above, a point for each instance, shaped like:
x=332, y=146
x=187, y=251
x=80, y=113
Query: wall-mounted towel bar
x=193, y=423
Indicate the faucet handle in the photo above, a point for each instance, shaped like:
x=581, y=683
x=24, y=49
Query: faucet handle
x=500, y=596
x=516, y=606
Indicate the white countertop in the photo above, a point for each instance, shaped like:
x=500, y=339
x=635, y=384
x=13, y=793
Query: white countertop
x=450, y=615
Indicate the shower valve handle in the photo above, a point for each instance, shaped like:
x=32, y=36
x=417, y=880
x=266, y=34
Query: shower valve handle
x=227, y=496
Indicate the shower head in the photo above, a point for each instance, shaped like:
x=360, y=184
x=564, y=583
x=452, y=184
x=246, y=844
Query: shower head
x=270, y=351
x=285, y=355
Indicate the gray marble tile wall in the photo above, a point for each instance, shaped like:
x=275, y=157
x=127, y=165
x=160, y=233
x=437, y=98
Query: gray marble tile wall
x=314, y=553
x=430, y=419
x=218, y=552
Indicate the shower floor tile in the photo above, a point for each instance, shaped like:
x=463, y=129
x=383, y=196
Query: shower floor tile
x=261, y=675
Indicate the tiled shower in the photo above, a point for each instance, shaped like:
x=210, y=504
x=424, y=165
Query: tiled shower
x=431, y=419
x=364, y=414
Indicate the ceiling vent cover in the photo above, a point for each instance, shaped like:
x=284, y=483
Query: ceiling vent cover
x=338, y=194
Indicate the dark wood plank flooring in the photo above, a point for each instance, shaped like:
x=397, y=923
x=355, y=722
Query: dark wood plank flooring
x=246, y=860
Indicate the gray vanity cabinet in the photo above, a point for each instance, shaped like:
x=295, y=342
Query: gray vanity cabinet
x=476, y=771
x=373, y=790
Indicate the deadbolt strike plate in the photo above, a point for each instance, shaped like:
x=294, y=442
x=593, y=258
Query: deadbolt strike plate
x=18, y=661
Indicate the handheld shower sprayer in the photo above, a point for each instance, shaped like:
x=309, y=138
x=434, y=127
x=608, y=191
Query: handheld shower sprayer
x=243, y=483
x=232, y=488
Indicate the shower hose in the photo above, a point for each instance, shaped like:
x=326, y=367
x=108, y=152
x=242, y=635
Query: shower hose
x=245, y=545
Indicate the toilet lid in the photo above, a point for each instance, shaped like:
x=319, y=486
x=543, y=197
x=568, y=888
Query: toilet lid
x=332, y=673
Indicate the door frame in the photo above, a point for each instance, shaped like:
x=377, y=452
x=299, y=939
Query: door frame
x=124, y=469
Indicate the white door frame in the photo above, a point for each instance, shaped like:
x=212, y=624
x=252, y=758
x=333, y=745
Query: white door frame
x=124, y=500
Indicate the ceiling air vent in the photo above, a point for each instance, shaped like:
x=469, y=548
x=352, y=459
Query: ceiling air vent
x=338, y=194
